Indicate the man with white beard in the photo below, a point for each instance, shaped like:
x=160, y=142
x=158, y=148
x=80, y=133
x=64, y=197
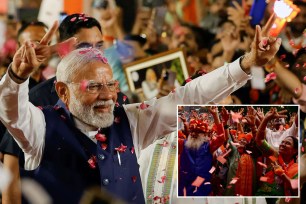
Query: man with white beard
x=74, y=146
x=196, y=156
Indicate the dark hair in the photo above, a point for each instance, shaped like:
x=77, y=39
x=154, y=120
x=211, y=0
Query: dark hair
x=25, y=25
x=74, y=22
x=295, y=146
x=203, y=37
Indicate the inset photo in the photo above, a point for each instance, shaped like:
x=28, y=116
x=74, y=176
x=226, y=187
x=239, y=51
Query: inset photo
x=238, y=151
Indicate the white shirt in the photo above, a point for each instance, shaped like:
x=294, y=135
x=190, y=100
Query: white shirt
x=28, y=126
x=274, y=138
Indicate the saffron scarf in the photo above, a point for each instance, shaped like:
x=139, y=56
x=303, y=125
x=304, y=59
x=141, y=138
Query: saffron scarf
x=245, y=173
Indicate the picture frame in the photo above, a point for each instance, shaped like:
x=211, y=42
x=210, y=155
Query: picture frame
x=138, y=72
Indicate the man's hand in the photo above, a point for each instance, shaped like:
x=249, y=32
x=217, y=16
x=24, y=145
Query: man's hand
x=263, y=47
x=30, y=55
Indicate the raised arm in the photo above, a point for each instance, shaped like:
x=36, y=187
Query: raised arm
x=217, y=141
x=260, y=136
x=23, y=120
x=160, y=117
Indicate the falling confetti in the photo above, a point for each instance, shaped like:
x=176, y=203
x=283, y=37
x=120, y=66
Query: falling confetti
x=134, y=178
x=212, y=170
x=263, y=179
x=124, y=98
x=273, y=158
x=262, y=164
x=83, y=85
x=221, y=159
x=92, y=162
x=121, y=148
x=287, y=65
x=163, y=178
x=104, y=146
x=248, y=151
x=234, y=180
x=270, y=76
x=73, y=19
x=100, y=137
x=132, y=150
x=188, y=80
x=236, y=116
x=117, y=104
x=143, y=106
x=297, y=65
x=294, y=183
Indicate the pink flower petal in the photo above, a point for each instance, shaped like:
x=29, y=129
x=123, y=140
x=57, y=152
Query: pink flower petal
x=92, y=162
x=264, y=42
x=121, y=148
x=83, y=85
x=124, y=98
x=64, y=48
x=262, y=164
x=282, y=57
x=40, y=107
x=287, y=65
x=134, y=178
x=236, y=116
x=143, y=106
x=117, y=104
x=73, y=19
x=297, y=65
x=263, y=179
x=132, y=150
x=270, y=76
x=100, y=137
x=212, y=170
x=188, y=80
x=104, y=146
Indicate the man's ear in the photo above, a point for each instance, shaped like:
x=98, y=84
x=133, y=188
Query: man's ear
x=63, y=92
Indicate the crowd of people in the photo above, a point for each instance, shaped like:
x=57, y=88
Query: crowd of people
x=70, y=122
x=252, y=152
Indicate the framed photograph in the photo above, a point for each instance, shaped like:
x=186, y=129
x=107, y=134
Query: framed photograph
x=144, y=75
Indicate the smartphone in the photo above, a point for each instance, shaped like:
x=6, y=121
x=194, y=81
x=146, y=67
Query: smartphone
x=159, y=18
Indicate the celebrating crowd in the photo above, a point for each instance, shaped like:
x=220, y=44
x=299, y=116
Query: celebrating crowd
x=70, y=122
x=247, y=154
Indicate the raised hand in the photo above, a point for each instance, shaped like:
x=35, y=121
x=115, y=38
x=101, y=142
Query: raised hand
x=30, y=55
x=225, y=114
x=263, y=48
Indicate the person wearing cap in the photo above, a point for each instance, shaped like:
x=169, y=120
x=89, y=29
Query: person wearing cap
x=196, y=156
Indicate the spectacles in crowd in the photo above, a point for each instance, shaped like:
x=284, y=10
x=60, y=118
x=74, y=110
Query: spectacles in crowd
x=95, y=87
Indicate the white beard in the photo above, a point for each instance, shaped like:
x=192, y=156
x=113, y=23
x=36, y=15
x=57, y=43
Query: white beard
x=195, y=143
x=87, y=114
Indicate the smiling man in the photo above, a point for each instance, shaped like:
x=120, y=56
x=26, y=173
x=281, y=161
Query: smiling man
x=86, y=140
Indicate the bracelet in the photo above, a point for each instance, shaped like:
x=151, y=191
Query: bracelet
x=108, y=38
x=12, y=74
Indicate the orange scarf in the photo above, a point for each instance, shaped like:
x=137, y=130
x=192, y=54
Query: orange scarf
x=245, y=173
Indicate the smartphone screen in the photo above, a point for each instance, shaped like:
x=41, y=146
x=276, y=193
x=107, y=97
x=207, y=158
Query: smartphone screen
x=159, y=20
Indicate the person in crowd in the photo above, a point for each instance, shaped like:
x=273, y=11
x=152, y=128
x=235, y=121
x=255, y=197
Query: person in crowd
x=34, y=32
x=283, y=166
x=196, y=156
